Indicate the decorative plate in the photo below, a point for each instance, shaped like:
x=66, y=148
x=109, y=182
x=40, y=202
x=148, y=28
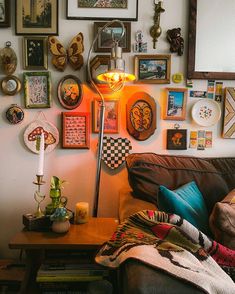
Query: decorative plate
x=206, y=112
x=33, y=132
x=14, y=114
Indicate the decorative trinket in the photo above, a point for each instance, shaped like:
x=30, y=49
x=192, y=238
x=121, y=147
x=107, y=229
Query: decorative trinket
x=10, y=85
x=175, y=40
x=8, y=59
x=177, y=77
x=14, y=114
x=156, y=30
x=139, y=45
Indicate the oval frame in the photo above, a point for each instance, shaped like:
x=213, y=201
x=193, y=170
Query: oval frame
x=4, y=82
x=60, y=90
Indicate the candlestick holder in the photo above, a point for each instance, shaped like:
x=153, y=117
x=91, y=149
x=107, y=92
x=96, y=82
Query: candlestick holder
x=38, y=196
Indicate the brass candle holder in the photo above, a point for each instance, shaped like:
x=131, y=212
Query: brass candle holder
x=38, y=196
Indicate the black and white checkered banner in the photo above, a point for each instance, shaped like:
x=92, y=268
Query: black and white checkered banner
x=115, y=151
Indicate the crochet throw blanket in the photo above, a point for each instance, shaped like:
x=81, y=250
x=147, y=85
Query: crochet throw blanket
x=168, y=242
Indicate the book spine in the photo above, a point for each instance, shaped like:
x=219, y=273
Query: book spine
x=68, y=278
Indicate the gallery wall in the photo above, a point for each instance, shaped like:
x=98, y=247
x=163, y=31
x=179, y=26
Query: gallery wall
x=77, y=166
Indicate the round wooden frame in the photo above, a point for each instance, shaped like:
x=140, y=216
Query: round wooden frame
x=70, y=103
x=10, y=81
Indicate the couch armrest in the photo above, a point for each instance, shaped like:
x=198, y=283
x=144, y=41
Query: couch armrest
x=222, y=221
x=129, y=205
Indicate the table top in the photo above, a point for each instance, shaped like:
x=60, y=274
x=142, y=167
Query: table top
x=89, y=235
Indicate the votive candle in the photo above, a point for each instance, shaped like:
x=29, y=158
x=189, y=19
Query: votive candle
x=81, y=212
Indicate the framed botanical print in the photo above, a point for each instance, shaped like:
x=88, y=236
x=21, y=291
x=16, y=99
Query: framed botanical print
x=176, y=139
x=35, y=53
x=107, y=10
x=141, y=116
x=105, y=40
x=153, y=69
x=76, y=134
x=111, y=118
x=70, y=92
x=175, y=108
x=36, y=17
x=37, y=89
x=5, y=15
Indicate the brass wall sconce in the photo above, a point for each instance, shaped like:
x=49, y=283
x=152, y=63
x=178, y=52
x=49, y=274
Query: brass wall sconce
x=156, y=30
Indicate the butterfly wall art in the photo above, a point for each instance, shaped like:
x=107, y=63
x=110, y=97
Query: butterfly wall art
x=73, y=54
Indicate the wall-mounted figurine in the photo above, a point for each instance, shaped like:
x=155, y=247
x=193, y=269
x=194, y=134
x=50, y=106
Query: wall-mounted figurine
x=139, y=45
x=176, y=41
x=156, y=30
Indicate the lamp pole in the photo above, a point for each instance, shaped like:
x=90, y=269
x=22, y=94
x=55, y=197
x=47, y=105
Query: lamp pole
x=102, y=113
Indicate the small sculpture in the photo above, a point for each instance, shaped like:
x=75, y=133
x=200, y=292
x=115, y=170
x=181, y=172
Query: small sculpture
x=176, y=41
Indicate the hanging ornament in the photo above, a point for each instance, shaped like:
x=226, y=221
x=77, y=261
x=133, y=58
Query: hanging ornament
x=8, y=59
x=14, y=114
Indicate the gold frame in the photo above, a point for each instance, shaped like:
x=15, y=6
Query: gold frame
x=156, y=77
x=4, y=84
x=166, y=110
x=26, y=59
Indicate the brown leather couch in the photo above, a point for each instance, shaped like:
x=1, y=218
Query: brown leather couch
x=215, y=178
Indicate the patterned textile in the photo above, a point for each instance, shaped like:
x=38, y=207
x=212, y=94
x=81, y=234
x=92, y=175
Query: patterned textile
x=168, y=242
x=115, y=151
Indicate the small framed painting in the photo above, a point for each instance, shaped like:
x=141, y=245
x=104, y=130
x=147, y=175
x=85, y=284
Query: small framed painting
x=111, y=119
x=35, y=53
x=105, y=40
x=37, y=89
x=70, y=92
x=175, y=108
x=5, y=15
x=153, y=69
x=176, y=139
x=34, y=17
x=76, y=127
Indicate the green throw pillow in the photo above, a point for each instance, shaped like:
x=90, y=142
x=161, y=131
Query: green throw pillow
x=186, y=201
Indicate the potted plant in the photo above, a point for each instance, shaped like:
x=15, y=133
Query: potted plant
x=60, y=220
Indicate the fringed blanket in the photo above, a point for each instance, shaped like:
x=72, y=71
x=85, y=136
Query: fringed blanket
x=168, y=242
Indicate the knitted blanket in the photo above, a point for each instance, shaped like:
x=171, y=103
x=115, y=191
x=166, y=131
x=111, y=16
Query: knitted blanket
x=170, y=243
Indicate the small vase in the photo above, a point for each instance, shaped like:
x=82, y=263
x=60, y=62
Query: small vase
x=60, y=226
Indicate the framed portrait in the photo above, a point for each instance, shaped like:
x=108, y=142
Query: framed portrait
x=75, y=126
x=176, y=139
x=153, y=69
x=5, y=15
x=37, y=89
x=70, y=92
x=35, y=53
x=105, y=40
x=111, y=119
x=36, y=17
x=175, y=108
x=102, y=10
x=141, y=116
x=10, y=85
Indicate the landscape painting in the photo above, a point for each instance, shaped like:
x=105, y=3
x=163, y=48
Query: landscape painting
x=102, y=3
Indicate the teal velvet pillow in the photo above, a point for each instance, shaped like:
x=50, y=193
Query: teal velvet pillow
x=186, y=201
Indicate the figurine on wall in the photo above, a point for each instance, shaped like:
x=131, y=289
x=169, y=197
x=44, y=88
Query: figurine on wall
x=140, y=45
x=176, y=41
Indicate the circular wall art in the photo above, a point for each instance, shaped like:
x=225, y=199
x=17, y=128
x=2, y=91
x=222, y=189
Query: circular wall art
x=33, y=132
x=10, y=85
x=14, y=114
x=70, y=92
x=206, y=112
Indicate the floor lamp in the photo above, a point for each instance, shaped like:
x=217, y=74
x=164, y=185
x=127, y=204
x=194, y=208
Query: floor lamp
x=115, y=78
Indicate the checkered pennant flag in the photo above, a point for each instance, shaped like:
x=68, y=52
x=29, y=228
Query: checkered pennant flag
x=115, y=151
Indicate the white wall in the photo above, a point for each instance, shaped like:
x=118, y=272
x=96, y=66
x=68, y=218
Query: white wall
x=18, y=164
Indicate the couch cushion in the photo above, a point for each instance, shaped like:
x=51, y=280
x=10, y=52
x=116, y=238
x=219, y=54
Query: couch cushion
x=222, y=221
x=186, y=201
x=146, y=171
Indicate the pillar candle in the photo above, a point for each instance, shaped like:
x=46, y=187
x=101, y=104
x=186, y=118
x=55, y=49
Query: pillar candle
x=81, y=212
x=41, y=156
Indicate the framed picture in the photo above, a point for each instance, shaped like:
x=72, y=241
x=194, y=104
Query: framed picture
x=10, y=85
x=5, y=15
x=153, y=69
x=141, y=116
x=35, y=17
x=75, y=126
x=70, y=92
x=111, y=119
x=104, y=42
x=35, y=53
x=37, y=89
x=176, y=139
x=228, y=131
x=175, y=108
x=106, y=10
